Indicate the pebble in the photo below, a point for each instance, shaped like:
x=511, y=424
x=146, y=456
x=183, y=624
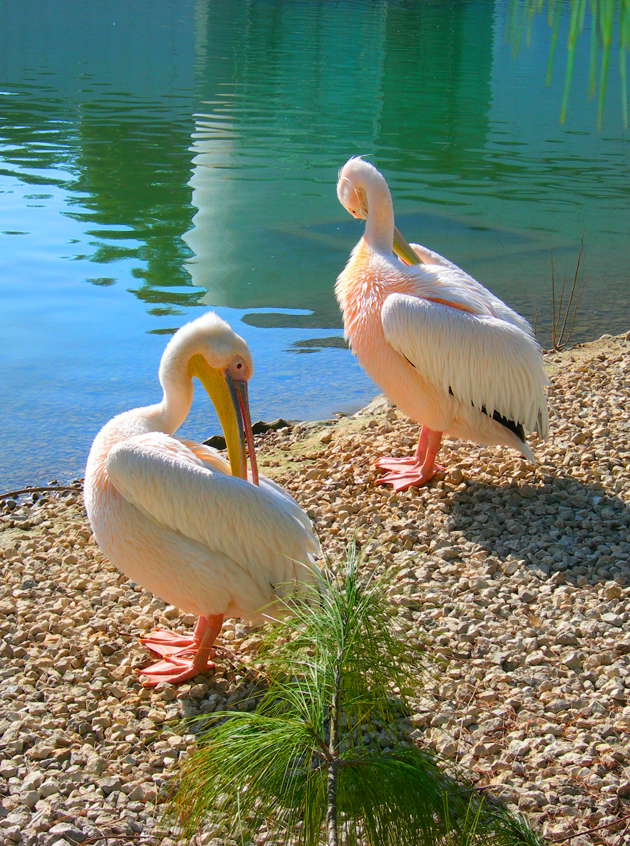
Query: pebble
x=516, y=576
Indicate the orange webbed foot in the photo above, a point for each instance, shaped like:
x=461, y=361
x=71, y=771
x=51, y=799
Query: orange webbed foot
x=164, y=642
x=173, y=670
x=415, y=475
x=396, y=464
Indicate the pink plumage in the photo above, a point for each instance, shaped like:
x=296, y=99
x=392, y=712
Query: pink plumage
x=443, y=348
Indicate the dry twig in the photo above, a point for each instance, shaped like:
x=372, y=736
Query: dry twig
x=560, y=336
x=41, y=489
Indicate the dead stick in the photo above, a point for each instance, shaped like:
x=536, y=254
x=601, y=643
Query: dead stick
x=11, y=494
x=592, y=830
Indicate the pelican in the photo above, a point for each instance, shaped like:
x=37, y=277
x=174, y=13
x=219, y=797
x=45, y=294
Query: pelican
x=177, y=518
x=441, y=347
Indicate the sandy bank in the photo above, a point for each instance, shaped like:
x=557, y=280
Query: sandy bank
x=516, y=576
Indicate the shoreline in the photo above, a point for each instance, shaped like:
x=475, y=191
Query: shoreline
x=517, y=577
x=378, y=400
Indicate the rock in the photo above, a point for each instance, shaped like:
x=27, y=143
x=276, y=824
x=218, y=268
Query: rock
x=612, y=591
x=8, y=769
x=110, y=784
x=68, y=832
x=33, y=780
x=573, y=660
x=557, y=705
x=513, y=576
x=136, y=794
x=49, y=788
x=41, y=752
x=612, y=619
x=12, y=833
x=30, y=798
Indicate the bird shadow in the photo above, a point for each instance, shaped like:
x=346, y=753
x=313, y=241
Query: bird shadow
x=555, y=524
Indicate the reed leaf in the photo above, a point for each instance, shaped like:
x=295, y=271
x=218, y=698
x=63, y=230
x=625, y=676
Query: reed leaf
x=575, y=26
x=603, y=14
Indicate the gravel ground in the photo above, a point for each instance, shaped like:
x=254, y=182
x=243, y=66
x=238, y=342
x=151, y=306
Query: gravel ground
x=517, y=576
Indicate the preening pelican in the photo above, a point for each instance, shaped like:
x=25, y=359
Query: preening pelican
x=168, y=513
x=440, y=346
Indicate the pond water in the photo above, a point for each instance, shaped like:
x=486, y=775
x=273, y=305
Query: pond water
x=165, y=156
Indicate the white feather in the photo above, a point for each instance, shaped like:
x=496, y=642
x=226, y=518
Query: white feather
x=491, y=303
x=483, y=360
x=261, y=529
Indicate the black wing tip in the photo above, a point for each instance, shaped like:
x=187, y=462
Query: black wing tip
x=512, y=425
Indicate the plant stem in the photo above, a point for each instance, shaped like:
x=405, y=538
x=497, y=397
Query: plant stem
x=333, y=764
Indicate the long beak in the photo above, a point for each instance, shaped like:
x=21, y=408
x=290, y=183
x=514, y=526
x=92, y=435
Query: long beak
x=403, y=250
x=233, y=412
x=239, y=396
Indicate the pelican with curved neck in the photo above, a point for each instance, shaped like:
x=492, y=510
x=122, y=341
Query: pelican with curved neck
x=442, y=347
x=182, y=522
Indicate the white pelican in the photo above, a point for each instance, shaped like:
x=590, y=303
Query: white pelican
x=168, y=513
x=441, y=347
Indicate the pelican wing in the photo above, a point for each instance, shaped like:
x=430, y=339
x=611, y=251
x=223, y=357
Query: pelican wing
x=262, y=529
x=209, y=455
x=448, y=277
x=213, y=457
x=428, y=256
x=480, y=359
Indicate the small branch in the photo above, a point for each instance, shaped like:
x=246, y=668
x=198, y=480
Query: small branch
x=575, y=276
x=325, y=751
x=11, y=494
x=554, y=324
x=592, y=830
x=333, y=764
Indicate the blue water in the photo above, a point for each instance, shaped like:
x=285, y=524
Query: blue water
x=158, y=158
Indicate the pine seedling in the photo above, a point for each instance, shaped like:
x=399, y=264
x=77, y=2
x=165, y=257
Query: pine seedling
x=325, y=758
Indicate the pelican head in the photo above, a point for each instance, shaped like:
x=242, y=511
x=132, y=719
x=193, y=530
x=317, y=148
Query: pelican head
x=363, y=192
x=208, y=349
x=352, y=188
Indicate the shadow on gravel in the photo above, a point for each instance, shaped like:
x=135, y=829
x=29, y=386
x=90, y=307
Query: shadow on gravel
x=557, y=524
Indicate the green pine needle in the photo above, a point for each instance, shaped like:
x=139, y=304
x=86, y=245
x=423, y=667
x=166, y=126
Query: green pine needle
x=325, y=757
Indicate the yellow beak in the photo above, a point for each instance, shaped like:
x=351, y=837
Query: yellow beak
x=403, y=250
x=213, y=380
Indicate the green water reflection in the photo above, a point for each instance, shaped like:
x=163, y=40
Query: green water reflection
x=172, y=155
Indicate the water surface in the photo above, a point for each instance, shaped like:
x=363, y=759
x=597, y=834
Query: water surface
x=159, y=158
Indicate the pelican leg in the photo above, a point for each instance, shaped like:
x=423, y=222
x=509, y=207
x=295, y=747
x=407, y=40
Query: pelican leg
x=164, y=642
x=398, y=464
x=179, y=668
x=417, y=471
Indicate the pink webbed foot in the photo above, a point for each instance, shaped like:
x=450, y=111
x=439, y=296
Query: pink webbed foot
x=396, y=464
x=173, y=669
x=164, y=642
x=415, y=471
x=184, y=657
x=402, y=479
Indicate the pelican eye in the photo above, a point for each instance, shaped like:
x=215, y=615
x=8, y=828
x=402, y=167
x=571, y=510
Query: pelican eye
x=238, y=368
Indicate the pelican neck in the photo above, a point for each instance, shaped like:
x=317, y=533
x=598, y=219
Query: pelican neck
x=379, y=226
